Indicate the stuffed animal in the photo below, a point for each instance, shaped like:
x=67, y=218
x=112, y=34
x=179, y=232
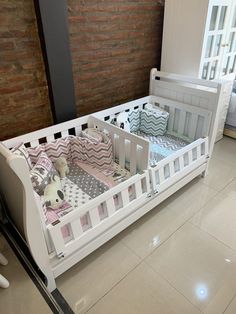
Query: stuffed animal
x=62, y=167
x=122, y=121
x=53, y=195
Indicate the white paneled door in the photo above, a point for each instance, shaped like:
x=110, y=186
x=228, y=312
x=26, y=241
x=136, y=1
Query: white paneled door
x=219, y=47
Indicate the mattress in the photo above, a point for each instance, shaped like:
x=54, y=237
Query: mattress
x=83, y=183
x=162, y=146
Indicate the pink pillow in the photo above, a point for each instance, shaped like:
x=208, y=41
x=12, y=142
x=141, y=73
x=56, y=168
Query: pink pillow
x=41, y=173
x=54, y=150
x=97, y=154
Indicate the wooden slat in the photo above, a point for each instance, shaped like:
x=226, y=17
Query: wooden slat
x=171, y=119
x=111, y=208
x=78, y=130
x=190, y=156
x=122, y=151
x=138, y=189
x=50, y=138
x=114, y=145
x=94, y=216
x=125, y=197
x=58, y=241
x=34, y=143
x=198, y=151
x=76, y=228
x=133, y=159
x=161, y=174
x=64, y=133
x=181, y=162
x=193, y=124
x=172, y=168
x=182, y=120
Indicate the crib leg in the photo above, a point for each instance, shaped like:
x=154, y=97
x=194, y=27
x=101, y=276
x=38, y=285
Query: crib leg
x=205, y=172
x=3, y=260
x=51, y=283
x=4, y=283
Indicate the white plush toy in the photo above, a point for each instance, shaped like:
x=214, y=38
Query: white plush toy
x=53, y=195
x=122, y=121
x=62, y=167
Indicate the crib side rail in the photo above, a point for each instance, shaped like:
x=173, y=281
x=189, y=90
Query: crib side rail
x=110, y=113
x=126, y=146
x=185, y=120
x=100, y=214
x=196, y=92
x=49, y=134
x=169, y=170
x=179, y=78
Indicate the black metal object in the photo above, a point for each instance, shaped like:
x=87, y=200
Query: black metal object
x=54, y=37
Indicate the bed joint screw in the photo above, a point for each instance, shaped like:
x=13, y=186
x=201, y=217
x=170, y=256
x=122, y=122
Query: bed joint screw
x=149, y=195
x=61, y=255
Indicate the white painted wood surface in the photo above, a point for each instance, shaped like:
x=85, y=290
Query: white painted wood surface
x=24, y=206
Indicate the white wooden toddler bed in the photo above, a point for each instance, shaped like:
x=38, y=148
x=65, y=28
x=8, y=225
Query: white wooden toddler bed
x=193, y=107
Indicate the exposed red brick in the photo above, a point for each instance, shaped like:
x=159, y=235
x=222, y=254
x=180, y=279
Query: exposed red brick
x=23, y=89
x=114, y=44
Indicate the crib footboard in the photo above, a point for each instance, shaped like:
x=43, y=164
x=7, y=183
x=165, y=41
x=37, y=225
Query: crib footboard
x=100, y=215
x=171, y=169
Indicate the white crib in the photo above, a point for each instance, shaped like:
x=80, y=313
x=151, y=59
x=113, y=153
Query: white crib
x=194, y=101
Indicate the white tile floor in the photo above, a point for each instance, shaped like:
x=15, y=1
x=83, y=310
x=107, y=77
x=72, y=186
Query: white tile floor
x=178, y=259
x=22, y=296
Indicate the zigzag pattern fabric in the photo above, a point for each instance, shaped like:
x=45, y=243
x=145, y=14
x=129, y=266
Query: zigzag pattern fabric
x=54, y=150
x=98, y=154
x=134, y=120
x=59, y=148
x=153, y=123
x=162, y=146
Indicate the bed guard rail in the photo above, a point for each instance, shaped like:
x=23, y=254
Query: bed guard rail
x=172, y=168
x=115, y=204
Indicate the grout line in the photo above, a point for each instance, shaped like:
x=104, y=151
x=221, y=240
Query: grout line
x=143, y=259
x=229, y=303
x=165, y=279
x=212, y=236
x=32, y=273
x=117, y=283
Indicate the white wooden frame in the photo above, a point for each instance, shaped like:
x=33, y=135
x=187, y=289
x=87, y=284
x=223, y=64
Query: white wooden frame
x=24, y=205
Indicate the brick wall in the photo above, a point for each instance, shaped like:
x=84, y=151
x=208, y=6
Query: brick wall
x=114, y=45
x=24, y=102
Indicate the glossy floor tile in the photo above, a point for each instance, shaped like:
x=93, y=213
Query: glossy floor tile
x=225, y=150
x=231, y=309
x=22, y=296
x=144, y=236
x=188, y=200
x=143, y=291
x=199, y=267
x=92, y=278
x=218, y=217
x=180, y=258
x=153, y=229
x=220, y=174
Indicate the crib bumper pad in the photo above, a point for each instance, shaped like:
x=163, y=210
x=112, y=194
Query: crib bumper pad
x=83, y=183
x=150, y=120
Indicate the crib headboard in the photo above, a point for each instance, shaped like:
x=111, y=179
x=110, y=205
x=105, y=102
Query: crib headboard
x=196, y=92
x=185, y=120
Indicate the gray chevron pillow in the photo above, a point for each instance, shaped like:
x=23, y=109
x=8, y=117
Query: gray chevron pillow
x=153, y=123
x=134, y=120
